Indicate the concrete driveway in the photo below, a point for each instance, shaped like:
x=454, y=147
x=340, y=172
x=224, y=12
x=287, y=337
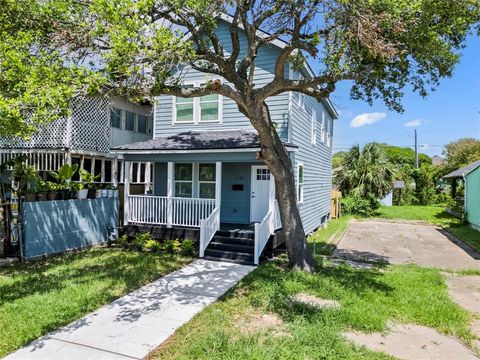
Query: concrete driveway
x=404, y=242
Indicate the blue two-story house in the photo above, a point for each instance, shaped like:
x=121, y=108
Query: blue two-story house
x=206, y=172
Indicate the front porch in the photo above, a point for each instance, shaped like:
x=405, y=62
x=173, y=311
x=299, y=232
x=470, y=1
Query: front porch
x=219, y=199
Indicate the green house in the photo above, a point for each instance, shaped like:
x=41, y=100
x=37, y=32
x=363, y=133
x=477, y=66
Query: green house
x=470, y=175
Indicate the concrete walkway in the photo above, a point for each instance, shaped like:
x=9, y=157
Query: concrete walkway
x=132, y=326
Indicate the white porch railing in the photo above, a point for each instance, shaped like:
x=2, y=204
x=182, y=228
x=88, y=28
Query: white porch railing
x=189, y=211
x=144, y=209
x=263, y=230
x=157, y=210
x=208, y=228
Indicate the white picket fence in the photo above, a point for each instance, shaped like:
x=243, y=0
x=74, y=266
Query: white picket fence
x=208, y=228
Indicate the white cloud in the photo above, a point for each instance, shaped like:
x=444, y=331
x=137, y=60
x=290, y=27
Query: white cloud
x=416, y=122
x=367, y=119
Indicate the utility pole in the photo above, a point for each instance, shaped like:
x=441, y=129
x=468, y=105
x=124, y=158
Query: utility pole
x=416, y=150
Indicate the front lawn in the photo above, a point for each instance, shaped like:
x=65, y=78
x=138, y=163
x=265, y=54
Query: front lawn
x=41, y=296
x=434, y=215
x=258, y=320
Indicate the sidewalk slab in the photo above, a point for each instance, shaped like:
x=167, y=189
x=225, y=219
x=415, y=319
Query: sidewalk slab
x=132, y=326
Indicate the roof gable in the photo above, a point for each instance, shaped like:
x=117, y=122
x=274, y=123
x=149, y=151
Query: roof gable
x=463, y=171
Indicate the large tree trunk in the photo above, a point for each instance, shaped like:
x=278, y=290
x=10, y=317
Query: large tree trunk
x=278, y=161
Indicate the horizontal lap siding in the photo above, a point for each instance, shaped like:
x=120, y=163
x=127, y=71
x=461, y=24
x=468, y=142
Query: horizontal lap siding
x=317, y=161
x=232, y=118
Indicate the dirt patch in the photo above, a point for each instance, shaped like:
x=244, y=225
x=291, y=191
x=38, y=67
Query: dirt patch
x=465, y=291
x=316, y=302
x=258, y=322
x=405, y=341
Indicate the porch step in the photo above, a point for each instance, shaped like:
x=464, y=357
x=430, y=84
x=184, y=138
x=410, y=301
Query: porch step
x=246, y=234
x=233, y=256
x=233, y=240
x=214, y=245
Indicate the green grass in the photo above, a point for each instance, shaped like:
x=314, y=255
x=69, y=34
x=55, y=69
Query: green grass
x=369, y=300
x=321, y=241
x=41, y=296
x=434, y=215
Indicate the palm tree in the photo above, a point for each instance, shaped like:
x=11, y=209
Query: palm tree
x=365, y=172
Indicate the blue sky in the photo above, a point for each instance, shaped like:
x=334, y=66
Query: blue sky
x=449, y=113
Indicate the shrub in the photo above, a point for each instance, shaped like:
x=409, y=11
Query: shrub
x=153, y=245
x=188, y=247
x=122, y=241
x=357, y=205
x=172, y=246
x=140, y=240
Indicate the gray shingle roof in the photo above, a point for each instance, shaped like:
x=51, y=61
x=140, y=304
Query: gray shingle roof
x=198, y=140
x=463, y=171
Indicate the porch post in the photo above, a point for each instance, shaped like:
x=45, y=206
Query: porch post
x=148, y=177
x=218, y=184
x=115, y=172
x=126, y=192
x=170, y=180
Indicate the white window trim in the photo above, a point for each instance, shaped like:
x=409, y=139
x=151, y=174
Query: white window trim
x=300, y=195
x=314, y=128
x=197, y=109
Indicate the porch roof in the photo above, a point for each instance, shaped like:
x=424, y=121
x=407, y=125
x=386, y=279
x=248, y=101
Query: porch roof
x=198, y=140
x=463, y=171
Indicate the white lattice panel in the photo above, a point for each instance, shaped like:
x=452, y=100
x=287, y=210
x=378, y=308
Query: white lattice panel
x=90, y=126
x=87, y=129
x=50, y=136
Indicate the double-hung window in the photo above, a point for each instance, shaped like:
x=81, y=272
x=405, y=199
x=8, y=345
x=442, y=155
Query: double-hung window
x=197, y=110
x=314, y=127
x=300, y=181
x=183, y=180
x=206, y=181
x=322, y=128
x=184, y=109
x=329, y=137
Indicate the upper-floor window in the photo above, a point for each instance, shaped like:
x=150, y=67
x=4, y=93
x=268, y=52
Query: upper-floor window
x=329, y=136
x=115, y=118
x=207, y=108
x=322, y=128
x=130, y=121
x=314, y=127
x=300, y=182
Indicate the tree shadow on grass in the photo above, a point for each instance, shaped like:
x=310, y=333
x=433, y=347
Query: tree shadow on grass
x=41, y=278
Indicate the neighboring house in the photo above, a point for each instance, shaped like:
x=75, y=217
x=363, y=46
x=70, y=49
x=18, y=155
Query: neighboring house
x=95, y=126
x=208, y=177
x=470, y=175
